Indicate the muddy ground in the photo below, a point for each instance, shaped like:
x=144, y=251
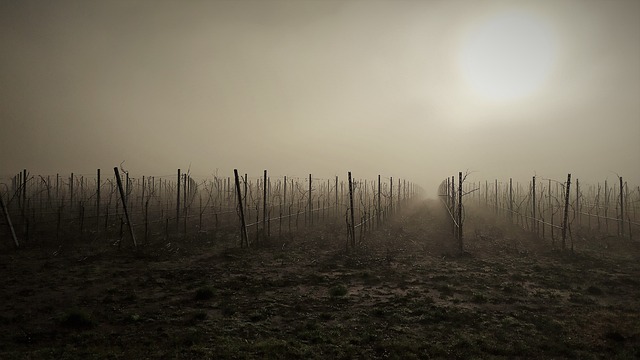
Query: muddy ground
x=405, y=293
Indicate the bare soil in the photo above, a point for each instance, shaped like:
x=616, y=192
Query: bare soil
x=404, y=293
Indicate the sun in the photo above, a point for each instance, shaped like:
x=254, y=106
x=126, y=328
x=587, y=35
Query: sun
x=507, y=56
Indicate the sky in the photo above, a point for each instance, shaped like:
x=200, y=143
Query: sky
x=417, y=90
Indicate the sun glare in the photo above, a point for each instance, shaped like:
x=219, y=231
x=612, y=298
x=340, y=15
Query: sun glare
x=507, y=56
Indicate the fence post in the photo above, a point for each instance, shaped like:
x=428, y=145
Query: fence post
x=452, y=195
x=124, y=206
x=379, y=206
x=243, y=230
x=606, y=206
x=337, y=207
x=391, y=195
x=577, y=208
x=353, y=225
x=551, y=228
x=460, y=239
x=264, y=205
x=24, y=189
x=310, y=203
x=178, y=201
x=6, y=215
x=621, y=207
x=566, y=213
x=98, y=202
x=533, y=207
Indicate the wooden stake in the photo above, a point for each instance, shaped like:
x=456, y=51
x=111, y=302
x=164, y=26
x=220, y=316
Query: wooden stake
x=6, y=215
x=310, y=203
x=178, y=201
x=124, y=206
x=264, y=204
x=244, y=240
x=98, y=202
x=566, y=212
x=460, y=240
x=353, y=225
x=378, y=210
x=391, y=195
x=621, y=207
x=533, y=207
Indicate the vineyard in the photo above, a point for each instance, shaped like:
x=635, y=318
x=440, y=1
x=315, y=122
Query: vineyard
x=239, y=210
x=117, y=266
x=561, y=212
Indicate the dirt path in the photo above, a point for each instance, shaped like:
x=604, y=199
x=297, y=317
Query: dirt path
x=403, y=294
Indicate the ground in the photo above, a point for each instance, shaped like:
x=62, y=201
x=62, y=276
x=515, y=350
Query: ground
x=405, y=293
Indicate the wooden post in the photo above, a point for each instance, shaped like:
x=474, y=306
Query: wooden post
x=353, y=225
x=246, y=192
x=284, y=201
x=533, y=207
x=124, y=206
x=98, y=202
x=8, y=218
x=379, y=203
x=24, y=188
x=621, y=207
x=269, y=211
x=310, y=203
x=460, y=239
x=577, y=207
x=337, y=212
x=453, y=205
x=551, y=228
x=264, y=205
x=566, y=212
x=598, y=207
x=178, y=200
x=23, y=196
x=391, y=195
x=606, y=206
x=243, y=229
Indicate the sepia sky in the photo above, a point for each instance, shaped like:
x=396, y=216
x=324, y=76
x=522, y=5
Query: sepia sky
x=410, y=89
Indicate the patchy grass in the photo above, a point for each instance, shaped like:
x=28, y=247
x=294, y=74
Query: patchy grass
x=400, y=295
x=77, y=319
x=204, y=293
x=338, y=291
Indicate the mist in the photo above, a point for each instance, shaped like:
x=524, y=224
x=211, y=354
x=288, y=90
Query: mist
x=299, y=87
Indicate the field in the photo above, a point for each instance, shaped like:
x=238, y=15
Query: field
x=403, y=293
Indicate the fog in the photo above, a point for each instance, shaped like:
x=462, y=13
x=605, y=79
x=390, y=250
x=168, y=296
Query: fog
x=322, y=87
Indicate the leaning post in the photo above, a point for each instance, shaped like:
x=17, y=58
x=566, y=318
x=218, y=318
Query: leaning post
x=243, y=230
x=124, y=206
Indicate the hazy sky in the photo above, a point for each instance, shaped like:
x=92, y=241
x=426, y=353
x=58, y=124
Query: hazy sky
x=410, y=89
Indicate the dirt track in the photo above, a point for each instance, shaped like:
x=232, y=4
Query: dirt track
x=403, y=294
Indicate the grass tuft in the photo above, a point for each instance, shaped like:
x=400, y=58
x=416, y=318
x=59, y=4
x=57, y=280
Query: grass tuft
x=337, y=291
x=77, y=319
x=204, y=293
